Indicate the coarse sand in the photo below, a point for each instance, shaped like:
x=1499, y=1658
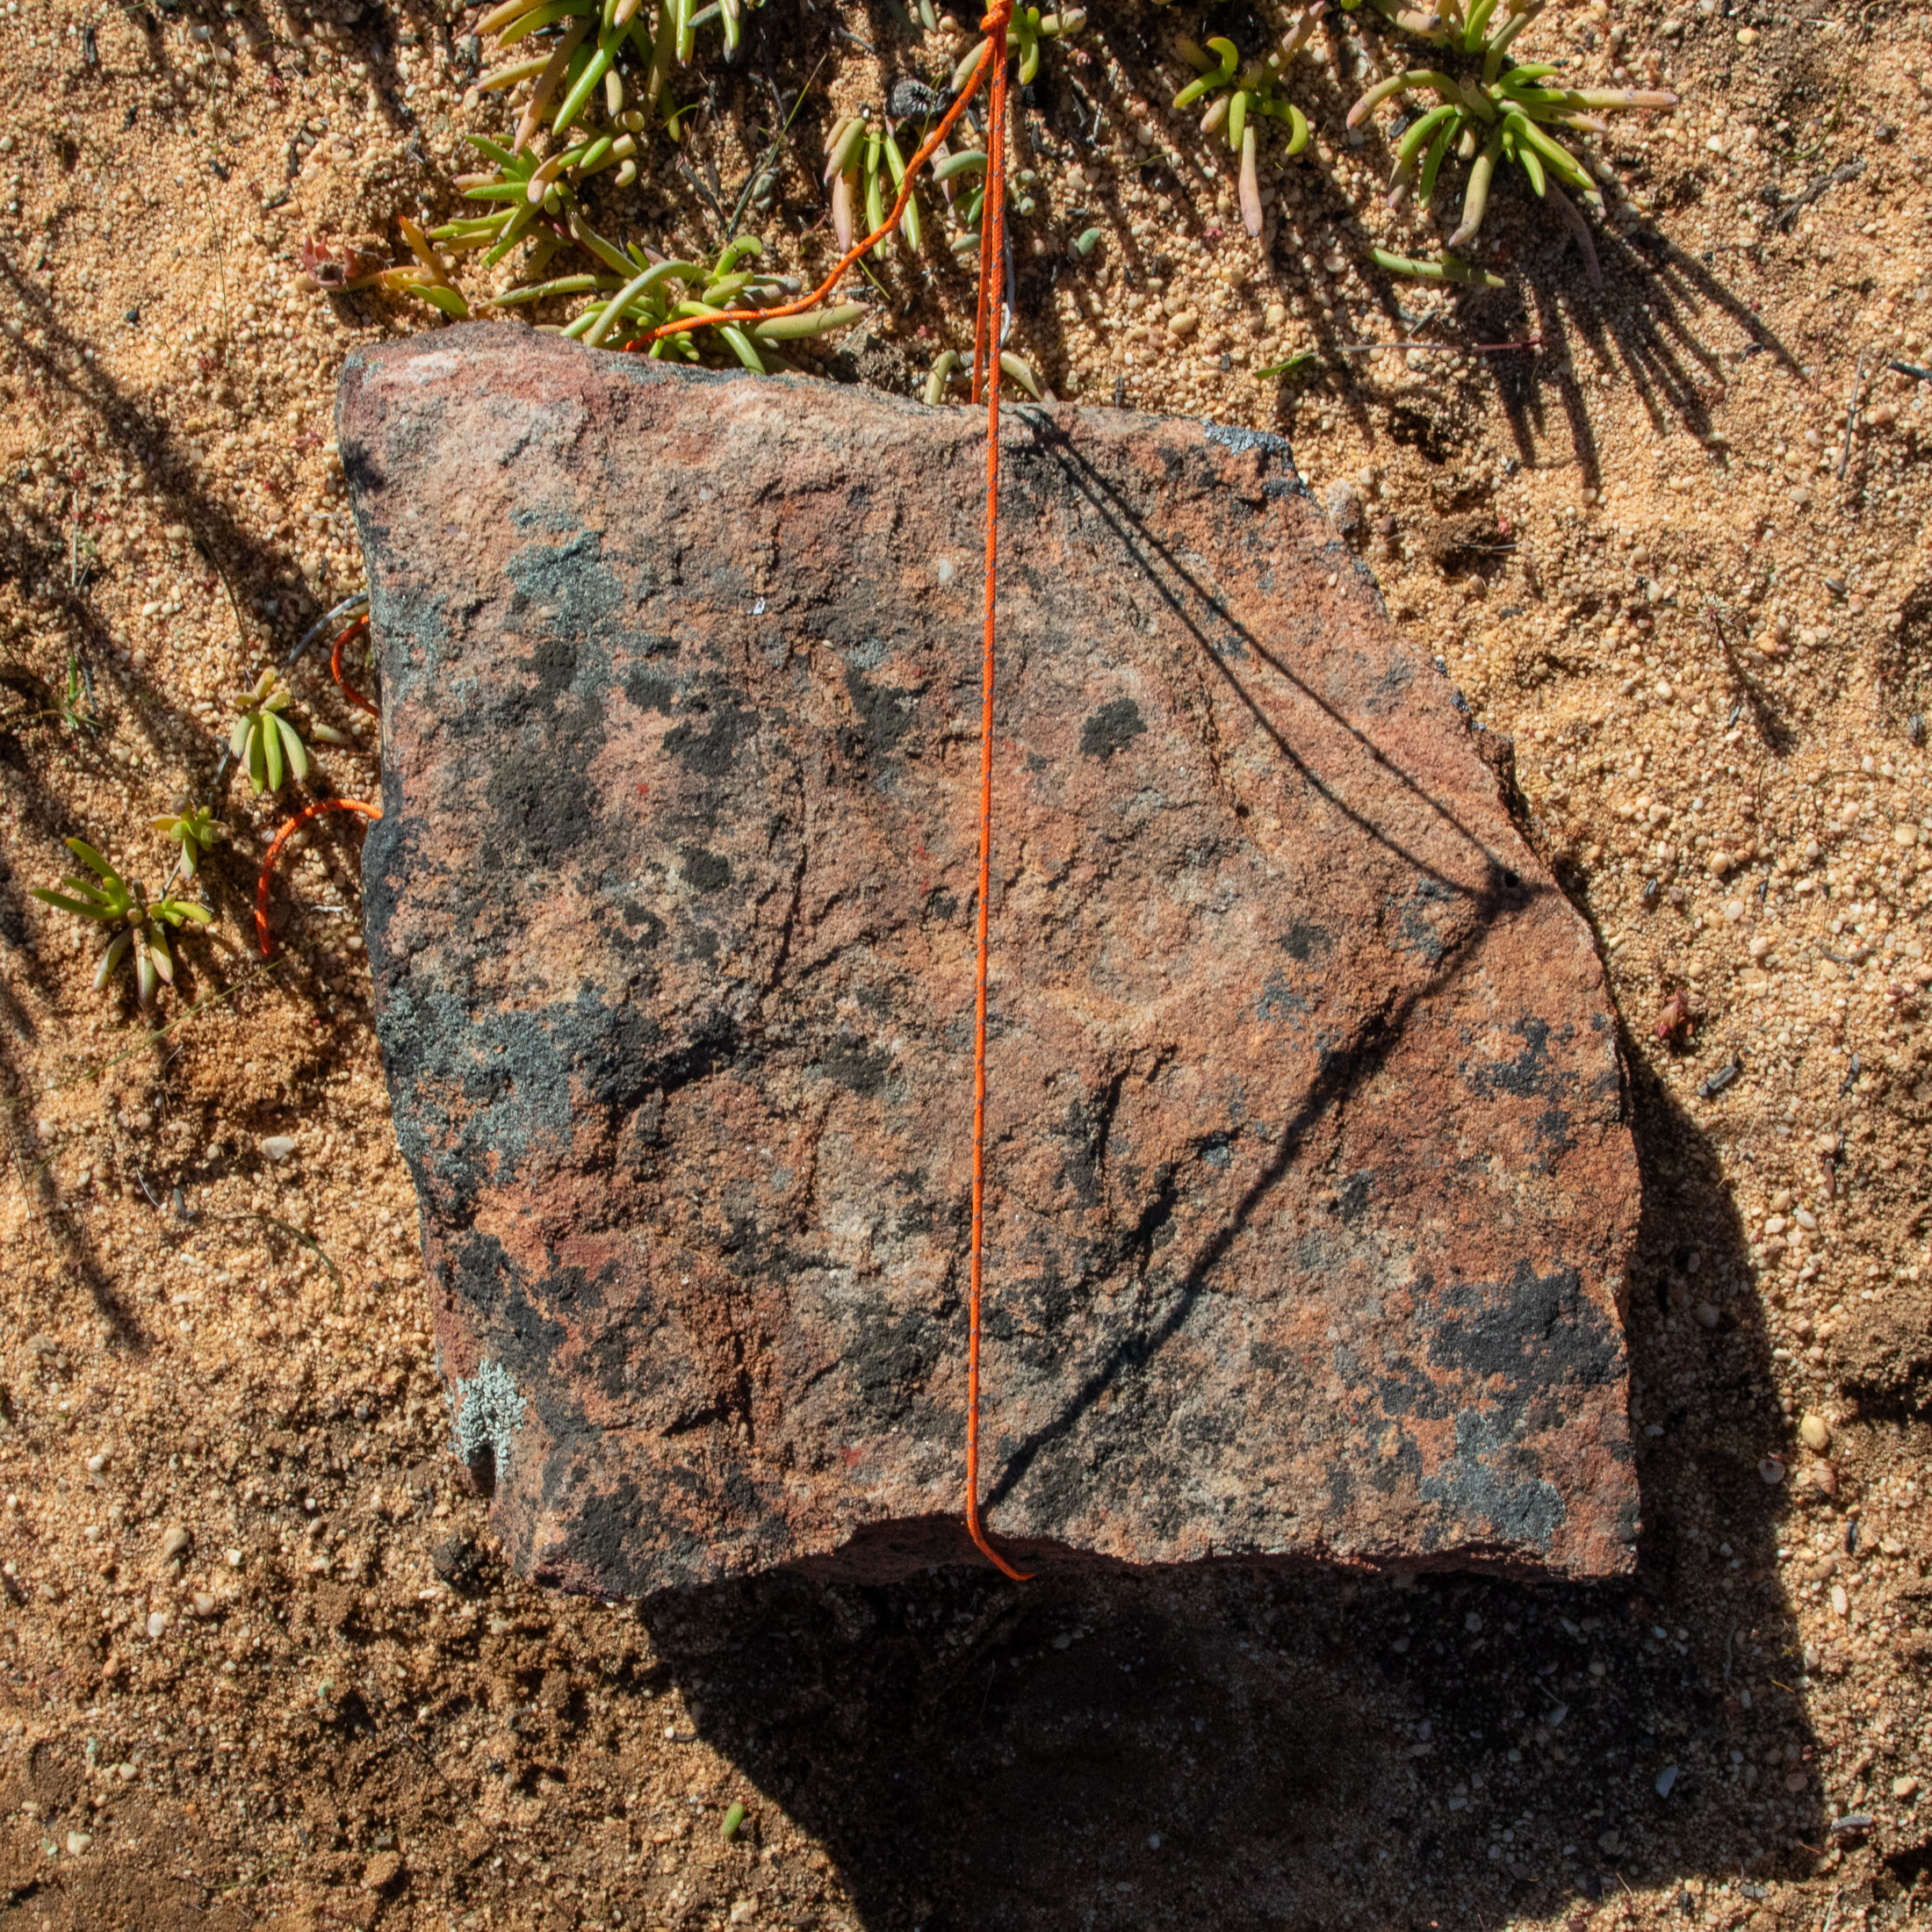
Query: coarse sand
x=260, y=1661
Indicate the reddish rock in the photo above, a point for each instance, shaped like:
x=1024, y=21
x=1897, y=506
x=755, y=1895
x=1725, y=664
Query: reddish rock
x=1311, y=1186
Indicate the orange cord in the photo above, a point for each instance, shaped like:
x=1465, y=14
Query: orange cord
x=993, y=254
x=274, y=851
x=335, y=665
x=1003, y=10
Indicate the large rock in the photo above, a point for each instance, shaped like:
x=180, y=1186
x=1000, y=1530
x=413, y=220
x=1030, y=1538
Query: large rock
x=1311, y=1188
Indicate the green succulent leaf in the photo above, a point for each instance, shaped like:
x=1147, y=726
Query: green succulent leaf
x=51, y=897
x=116, y=951
x=935, y=382
x=88, y=856
x=1021, y=373
x=298, y=752
x=176, y=911
x=449, y=300
x=784, y=329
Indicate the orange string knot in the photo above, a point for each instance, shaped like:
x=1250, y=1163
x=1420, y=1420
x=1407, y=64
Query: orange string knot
x=280, y=840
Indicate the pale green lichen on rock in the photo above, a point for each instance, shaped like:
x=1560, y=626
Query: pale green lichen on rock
x=489, y=1411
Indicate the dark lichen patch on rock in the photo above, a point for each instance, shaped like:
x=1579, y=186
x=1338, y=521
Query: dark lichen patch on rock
x=714, y=724
x=1306, y=942
x=650, y=692
x=1112, y=728
x=704, y=871
x=1531, y=1333
x=1310, y=1179
x=542, y=813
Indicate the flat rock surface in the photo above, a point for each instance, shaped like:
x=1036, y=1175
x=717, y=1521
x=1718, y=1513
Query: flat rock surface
x=1311, y=1186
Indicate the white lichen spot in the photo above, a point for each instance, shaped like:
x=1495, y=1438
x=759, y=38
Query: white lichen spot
x=488, y=1413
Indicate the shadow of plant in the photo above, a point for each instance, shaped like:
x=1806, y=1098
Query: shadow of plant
x=142, y=721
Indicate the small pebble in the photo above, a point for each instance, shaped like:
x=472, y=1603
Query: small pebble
x=1815, y=1433
x=381, y=1871
x=1771, y=1470
x=1344, y=504
x=1841, y=1604
x=78, y=1842
x=157, y=1625
x=1709, y=1315
x=277, y=1148
x=1907, y=1786
x=173, y=1543
x=204, y=1604
x=1666, y=1778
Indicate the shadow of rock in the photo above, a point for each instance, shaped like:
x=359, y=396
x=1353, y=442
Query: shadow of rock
x=1118, y=1746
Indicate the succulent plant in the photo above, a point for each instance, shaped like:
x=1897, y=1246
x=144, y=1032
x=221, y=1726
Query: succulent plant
x=864, y=165
x=1024, y=32
x=594, y=79
x=1244, y=97
x=428, y=277
x=196, y=830
x=75, y=710
x=658, y=290
x=949, y=368
x=1444, y=268
x=1494, y=114
x=110, y=900
x=264, y=742
x=577, y=57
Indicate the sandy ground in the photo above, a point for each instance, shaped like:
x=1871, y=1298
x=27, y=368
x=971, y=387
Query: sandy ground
x=260, y=1662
